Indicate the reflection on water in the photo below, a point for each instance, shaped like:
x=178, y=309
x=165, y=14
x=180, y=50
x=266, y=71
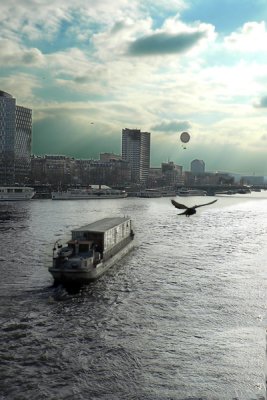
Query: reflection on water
x=182, y=317
x=12, y=216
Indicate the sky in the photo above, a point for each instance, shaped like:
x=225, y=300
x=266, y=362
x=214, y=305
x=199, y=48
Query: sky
x=89, y=68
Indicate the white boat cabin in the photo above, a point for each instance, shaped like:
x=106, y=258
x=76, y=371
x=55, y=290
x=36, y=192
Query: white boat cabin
x=100, y=236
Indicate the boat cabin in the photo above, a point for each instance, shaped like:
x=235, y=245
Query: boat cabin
x=100, y=236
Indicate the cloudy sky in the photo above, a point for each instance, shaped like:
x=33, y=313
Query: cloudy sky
x=90, y=68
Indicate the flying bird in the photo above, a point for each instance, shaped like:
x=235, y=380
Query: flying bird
x=189, y=210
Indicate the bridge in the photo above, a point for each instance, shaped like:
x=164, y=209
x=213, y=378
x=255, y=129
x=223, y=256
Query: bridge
x=224, y=188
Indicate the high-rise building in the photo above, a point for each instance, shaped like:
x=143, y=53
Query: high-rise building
x=15, y=140
x=136, y=150
x=197, y=167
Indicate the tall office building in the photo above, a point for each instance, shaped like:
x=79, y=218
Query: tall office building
x=197, y=167
x=136, y=150
x=15, y=140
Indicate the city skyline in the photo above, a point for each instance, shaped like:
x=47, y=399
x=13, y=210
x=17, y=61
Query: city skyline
x=88, y=71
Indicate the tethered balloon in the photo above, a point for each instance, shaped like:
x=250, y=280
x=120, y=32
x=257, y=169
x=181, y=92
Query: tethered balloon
x=184, y=137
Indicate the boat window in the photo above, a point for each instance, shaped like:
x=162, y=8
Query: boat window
x=97, y=237
x=83, y=248
x=18, y=190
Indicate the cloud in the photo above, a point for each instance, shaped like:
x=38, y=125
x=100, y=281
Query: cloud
x=164, y=43
x=139, y=37
x=262, y=103
x=33, y=19
x=14, y=54
x=39, y=19
x=251, y=37
x=113, y=41
x=166, y=5
x=21, y=86
x=172, y=126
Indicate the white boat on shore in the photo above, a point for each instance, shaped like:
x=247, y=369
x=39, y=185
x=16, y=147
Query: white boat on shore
x=16, y=193
x=92, y=250
x=191, y=192
x=89, y=194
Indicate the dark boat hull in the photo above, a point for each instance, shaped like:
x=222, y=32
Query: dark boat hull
x=71, y=276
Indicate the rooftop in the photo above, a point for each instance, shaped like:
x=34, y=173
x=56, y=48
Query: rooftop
x=102, y=225
x=5, y=94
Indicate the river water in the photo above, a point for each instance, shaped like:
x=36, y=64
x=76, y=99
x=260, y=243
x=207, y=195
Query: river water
x=182, y=317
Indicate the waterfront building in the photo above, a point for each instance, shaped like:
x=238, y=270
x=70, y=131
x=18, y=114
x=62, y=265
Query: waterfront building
x=172, y=173
x=136, y=150
x=252, y=180
x=60, y=170
x=207, y=178
x=155, y=178
x=53, y=169
x=15, y=141
x=109, y=157
x=113, y=172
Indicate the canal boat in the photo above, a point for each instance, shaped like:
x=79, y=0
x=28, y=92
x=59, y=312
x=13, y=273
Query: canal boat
x=92, y=250
x=16, y=193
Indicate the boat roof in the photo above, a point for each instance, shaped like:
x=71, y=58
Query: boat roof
x=102, y=225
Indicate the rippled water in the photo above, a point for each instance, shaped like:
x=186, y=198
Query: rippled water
x=181, y=317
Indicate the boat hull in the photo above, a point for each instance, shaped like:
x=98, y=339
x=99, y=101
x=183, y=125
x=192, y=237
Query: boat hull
x=88, y=194
x=87, y=197
x=16, y=198
x=71, y=276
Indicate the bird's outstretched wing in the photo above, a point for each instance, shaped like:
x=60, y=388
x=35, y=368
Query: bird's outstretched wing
x=178, y=205
x=206, y=204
